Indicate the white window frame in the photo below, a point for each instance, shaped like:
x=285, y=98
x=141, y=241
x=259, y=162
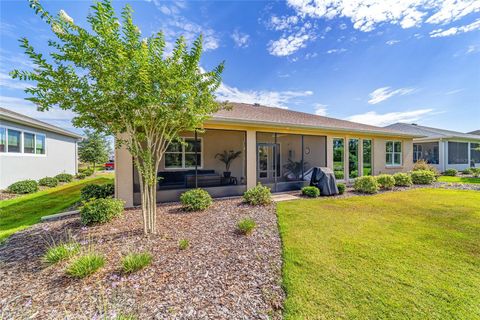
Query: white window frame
x=393, y=153
x=183, y=167
x=22, y=143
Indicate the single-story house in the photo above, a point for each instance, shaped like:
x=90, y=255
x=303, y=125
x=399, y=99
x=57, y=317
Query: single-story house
x=33, y=149
x=279, y=148
x=445, y=149
x=477, y=132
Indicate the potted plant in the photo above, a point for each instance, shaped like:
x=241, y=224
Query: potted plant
x=227, y=157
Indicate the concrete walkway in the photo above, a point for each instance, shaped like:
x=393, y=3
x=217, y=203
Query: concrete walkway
x=278, y=197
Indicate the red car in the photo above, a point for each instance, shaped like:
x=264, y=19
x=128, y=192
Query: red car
x=110, y=165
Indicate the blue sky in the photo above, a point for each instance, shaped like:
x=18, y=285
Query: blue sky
x=410, y=61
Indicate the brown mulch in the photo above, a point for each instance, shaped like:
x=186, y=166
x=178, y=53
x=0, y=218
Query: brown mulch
x=222, y=275
x=4, y=195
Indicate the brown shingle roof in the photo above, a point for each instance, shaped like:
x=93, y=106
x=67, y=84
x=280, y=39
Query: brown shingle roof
x=262, y=115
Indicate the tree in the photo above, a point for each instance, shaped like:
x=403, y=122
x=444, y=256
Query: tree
x=94, y=149
x=124, y=85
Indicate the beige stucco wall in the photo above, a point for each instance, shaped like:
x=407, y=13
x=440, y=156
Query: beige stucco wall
x=379, y=146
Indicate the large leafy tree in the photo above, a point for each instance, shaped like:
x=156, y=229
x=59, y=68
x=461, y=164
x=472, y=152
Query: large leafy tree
x=122, y=84
x=94, y=149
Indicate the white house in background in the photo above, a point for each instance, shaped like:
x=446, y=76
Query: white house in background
x=443, y=148
x=32, y=149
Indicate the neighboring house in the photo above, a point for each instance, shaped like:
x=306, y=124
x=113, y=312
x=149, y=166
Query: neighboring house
x=32, y=149
x=273, y=143
x=477, y=132
x=444, y=149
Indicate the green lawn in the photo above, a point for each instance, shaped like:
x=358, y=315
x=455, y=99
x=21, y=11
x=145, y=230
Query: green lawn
x=397, y=255
x=20, y=213
x=459, y=179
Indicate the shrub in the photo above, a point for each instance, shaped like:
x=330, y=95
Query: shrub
x=85, y=265
x=183, y=244
x=258, y=195
x=80, y=176
x=97, y=191
x=100, y=210
x=64, y=177
x=385, y=181
x=341, y=188
x=246, y=226
x=311, y=191
x=61, y=252
x=196, y=200
x=24, y=186
x=423, y=177
x=366, y=184
x=467, y=171
x=86, y=171
x=476, y=172
x=423, y=165
x=135, y=261
x=402, y=179
x=338, y=175
x=450, y=172
x=48, y=182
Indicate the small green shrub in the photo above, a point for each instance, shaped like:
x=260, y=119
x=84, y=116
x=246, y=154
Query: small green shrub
x=61, y=252
x=48, y=182
x=366, y=184
x=85, y=265
x=183, y=244
x=86, y=171
x=100, y=210
x=246, y=226
x=341, y=188
x=133, y=262
x=423, y=177
x=476, y=172
x=385, y=181
x=450, y=172
x=64, y=177
x=467, y=171
x=97, y=191
x=339, y=175
x=311, y=191
x=196, y=200
x=423, y=165
x=80, y=176
x=258, y=195
x=24, y=186
x=402, y=179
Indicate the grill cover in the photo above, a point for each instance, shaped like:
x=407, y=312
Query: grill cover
x=324, y=179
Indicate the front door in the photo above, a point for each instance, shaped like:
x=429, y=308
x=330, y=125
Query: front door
x=268, y=163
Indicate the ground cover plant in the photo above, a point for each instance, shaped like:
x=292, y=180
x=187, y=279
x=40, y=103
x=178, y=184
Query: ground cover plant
x=417, y=249
x=23, y=187
x=196, y=200
x=85, y=265
x=133, y=262
x=258, y=195
x=20, y=213
x=60, y=252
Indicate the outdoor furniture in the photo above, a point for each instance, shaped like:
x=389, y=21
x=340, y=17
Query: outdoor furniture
x=324, y=179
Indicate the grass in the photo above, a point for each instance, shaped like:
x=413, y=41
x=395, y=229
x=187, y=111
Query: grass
x=458, y=179
x=133, y=262
x=61, y=252
x=246, y=226
x=21, y=212
x=399, y=255
x=85, y=265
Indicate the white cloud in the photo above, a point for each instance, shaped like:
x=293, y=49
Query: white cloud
x=282, y=23
x=343, y=26
x=392, y=42
x=341, y=50
x=454, y=91
x=382, y=94
x=367, y=14
x=287, y=45
x=7, y=82
x=279, y=99
x=241, y=40
x=177, y=26
x=376, y=119
x=320, y=109
x=456, y=30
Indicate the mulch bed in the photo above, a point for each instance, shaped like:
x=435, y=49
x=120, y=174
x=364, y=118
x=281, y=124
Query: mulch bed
x=223, y=275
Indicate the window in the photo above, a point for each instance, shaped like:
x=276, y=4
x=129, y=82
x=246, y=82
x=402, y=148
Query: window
x=475, y=152
x=393, y=153
x=181, y=155
x=40, y=144
x=338, y=150
x=457, y=152
x=427, y=151
x=352, y=158
x=14, y=141
x=367, y=157
x=3, y=140
x=417, y=152
x=28, y=142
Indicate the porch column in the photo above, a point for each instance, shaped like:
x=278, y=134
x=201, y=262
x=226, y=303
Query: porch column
x=329, y=150
x=124, y=176
x=251, y=158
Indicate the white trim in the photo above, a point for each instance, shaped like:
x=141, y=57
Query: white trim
x=22, y=143
x=393, y=165
x=183, y=156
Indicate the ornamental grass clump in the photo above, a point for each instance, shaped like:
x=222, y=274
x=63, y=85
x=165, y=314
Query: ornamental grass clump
x=48, y=182
x=196, y=200
x=258, y=195
x=100, y=210
x=85, y=265
x=385, y=181
x=23, y=187
x=423, y=177
x=311, y=192
x=60, y=252
x=402, y=179
x=424, y=165
x=246, y=226
x=133, y=262
x=183, y=244
x=366, y=184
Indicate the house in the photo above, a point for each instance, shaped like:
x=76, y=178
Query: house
x=477, y=132
x=445, y=149
x=32, y=149
x=279, y=148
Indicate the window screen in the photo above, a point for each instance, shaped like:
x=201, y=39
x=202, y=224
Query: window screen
x=457, y=152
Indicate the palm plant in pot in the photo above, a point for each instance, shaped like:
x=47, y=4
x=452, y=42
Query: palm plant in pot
x=227, y=157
